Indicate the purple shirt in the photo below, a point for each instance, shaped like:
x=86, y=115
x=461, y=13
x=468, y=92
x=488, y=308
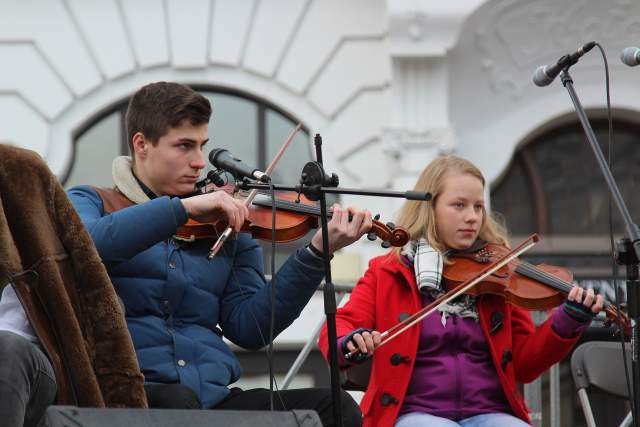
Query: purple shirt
x=454, y=376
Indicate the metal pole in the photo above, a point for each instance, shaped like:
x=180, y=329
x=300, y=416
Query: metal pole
x=308, y=346
x=533, y=390
x=633, y=242
x=554, y=396
x=533, y=399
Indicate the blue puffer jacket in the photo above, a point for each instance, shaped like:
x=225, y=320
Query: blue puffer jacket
x=175, y=297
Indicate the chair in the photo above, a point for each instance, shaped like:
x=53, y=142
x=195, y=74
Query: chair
x=599, y=365
x=356, y=378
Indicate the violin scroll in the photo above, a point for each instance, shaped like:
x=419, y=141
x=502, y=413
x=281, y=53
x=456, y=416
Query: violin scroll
x=389, y=233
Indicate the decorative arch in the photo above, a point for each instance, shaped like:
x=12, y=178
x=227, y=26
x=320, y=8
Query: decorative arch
x=87, y=122
x=494, y=104
x=72, y=60
x=87, y=110
x=553, y=185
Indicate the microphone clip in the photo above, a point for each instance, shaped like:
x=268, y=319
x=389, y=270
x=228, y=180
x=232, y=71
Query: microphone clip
x=213, y=177
x=313, y=177
x=570, y=59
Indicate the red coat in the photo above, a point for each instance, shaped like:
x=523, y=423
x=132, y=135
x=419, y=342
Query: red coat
x=388, y=292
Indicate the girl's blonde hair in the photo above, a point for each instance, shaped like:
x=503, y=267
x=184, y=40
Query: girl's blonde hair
x=418, y=217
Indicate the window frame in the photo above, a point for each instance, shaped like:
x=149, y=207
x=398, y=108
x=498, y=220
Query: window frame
x=263, y=106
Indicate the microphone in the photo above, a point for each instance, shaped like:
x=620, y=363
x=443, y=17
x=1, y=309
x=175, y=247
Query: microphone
x=223, y=159
x=630, y=56
x=545, y=74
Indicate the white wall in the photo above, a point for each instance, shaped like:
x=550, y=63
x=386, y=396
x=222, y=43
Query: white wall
x=63, y=61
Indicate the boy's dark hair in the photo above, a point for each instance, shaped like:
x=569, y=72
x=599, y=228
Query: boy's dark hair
x=157, y=107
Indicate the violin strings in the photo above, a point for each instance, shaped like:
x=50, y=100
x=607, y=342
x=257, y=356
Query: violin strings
x=560, y=284
x=292, y=206
x=545, y=277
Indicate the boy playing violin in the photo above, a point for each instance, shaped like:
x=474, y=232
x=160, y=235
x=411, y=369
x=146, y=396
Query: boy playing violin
x=180, y=305
x=462, y=363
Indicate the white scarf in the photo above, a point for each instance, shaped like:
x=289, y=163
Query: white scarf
x=427, y=266
x=123, y=178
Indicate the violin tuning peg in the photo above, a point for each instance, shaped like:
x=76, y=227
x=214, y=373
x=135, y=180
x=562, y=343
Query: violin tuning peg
x=386, y=244
x=371, y=236
x=391, y=225
x=377, y=217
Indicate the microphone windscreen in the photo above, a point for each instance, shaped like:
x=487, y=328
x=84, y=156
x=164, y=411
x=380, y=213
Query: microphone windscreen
x=540, y=76
x=630, y=56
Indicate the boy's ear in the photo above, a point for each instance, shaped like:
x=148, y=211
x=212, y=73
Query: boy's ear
x=140, y=145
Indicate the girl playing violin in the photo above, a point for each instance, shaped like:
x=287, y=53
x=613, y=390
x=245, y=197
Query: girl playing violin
x=462, y=363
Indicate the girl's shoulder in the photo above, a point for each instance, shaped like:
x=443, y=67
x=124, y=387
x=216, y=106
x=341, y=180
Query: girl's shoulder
x=389, y=262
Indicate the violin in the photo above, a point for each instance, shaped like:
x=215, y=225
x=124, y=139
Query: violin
x=293, y=221
x=532, y=287
x=496, y=270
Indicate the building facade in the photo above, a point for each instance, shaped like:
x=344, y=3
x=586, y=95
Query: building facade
x=389, y=84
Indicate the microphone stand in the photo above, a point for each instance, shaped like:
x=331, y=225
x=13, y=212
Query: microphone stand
x=315, y=184
x=628, y=248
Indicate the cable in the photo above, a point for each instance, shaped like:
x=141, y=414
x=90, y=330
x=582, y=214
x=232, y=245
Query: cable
x=614, y=265
x=245, y=297
x=273, y=291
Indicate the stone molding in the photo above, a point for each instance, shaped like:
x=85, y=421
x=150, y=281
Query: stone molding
x=426, y=29
x=73, y=59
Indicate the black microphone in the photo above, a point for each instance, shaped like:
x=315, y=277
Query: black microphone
x=545, y=74
x=223, y=159
x=630, y=56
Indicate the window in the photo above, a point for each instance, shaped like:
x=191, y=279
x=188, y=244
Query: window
x=554, y=184
x=554, y=187
x=252, y=129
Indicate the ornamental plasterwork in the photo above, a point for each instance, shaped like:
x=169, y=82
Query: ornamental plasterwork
x=73, y=59
x=515, y=37
x=422, y=28
x=441, y=138
x=409, y=151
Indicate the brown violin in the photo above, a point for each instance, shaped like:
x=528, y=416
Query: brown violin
x=496, y=270
x=533, y=287
x=293, y=221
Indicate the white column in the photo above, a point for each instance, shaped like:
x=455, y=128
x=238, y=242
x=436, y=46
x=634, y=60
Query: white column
x=420, y=36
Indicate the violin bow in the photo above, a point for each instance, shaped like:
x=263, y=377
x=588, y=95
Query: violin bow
x=396, y=330
x=252, y=194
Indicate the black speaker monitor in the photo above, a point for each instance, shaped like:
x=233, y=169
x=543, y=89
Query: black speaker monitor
x=71, y=416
